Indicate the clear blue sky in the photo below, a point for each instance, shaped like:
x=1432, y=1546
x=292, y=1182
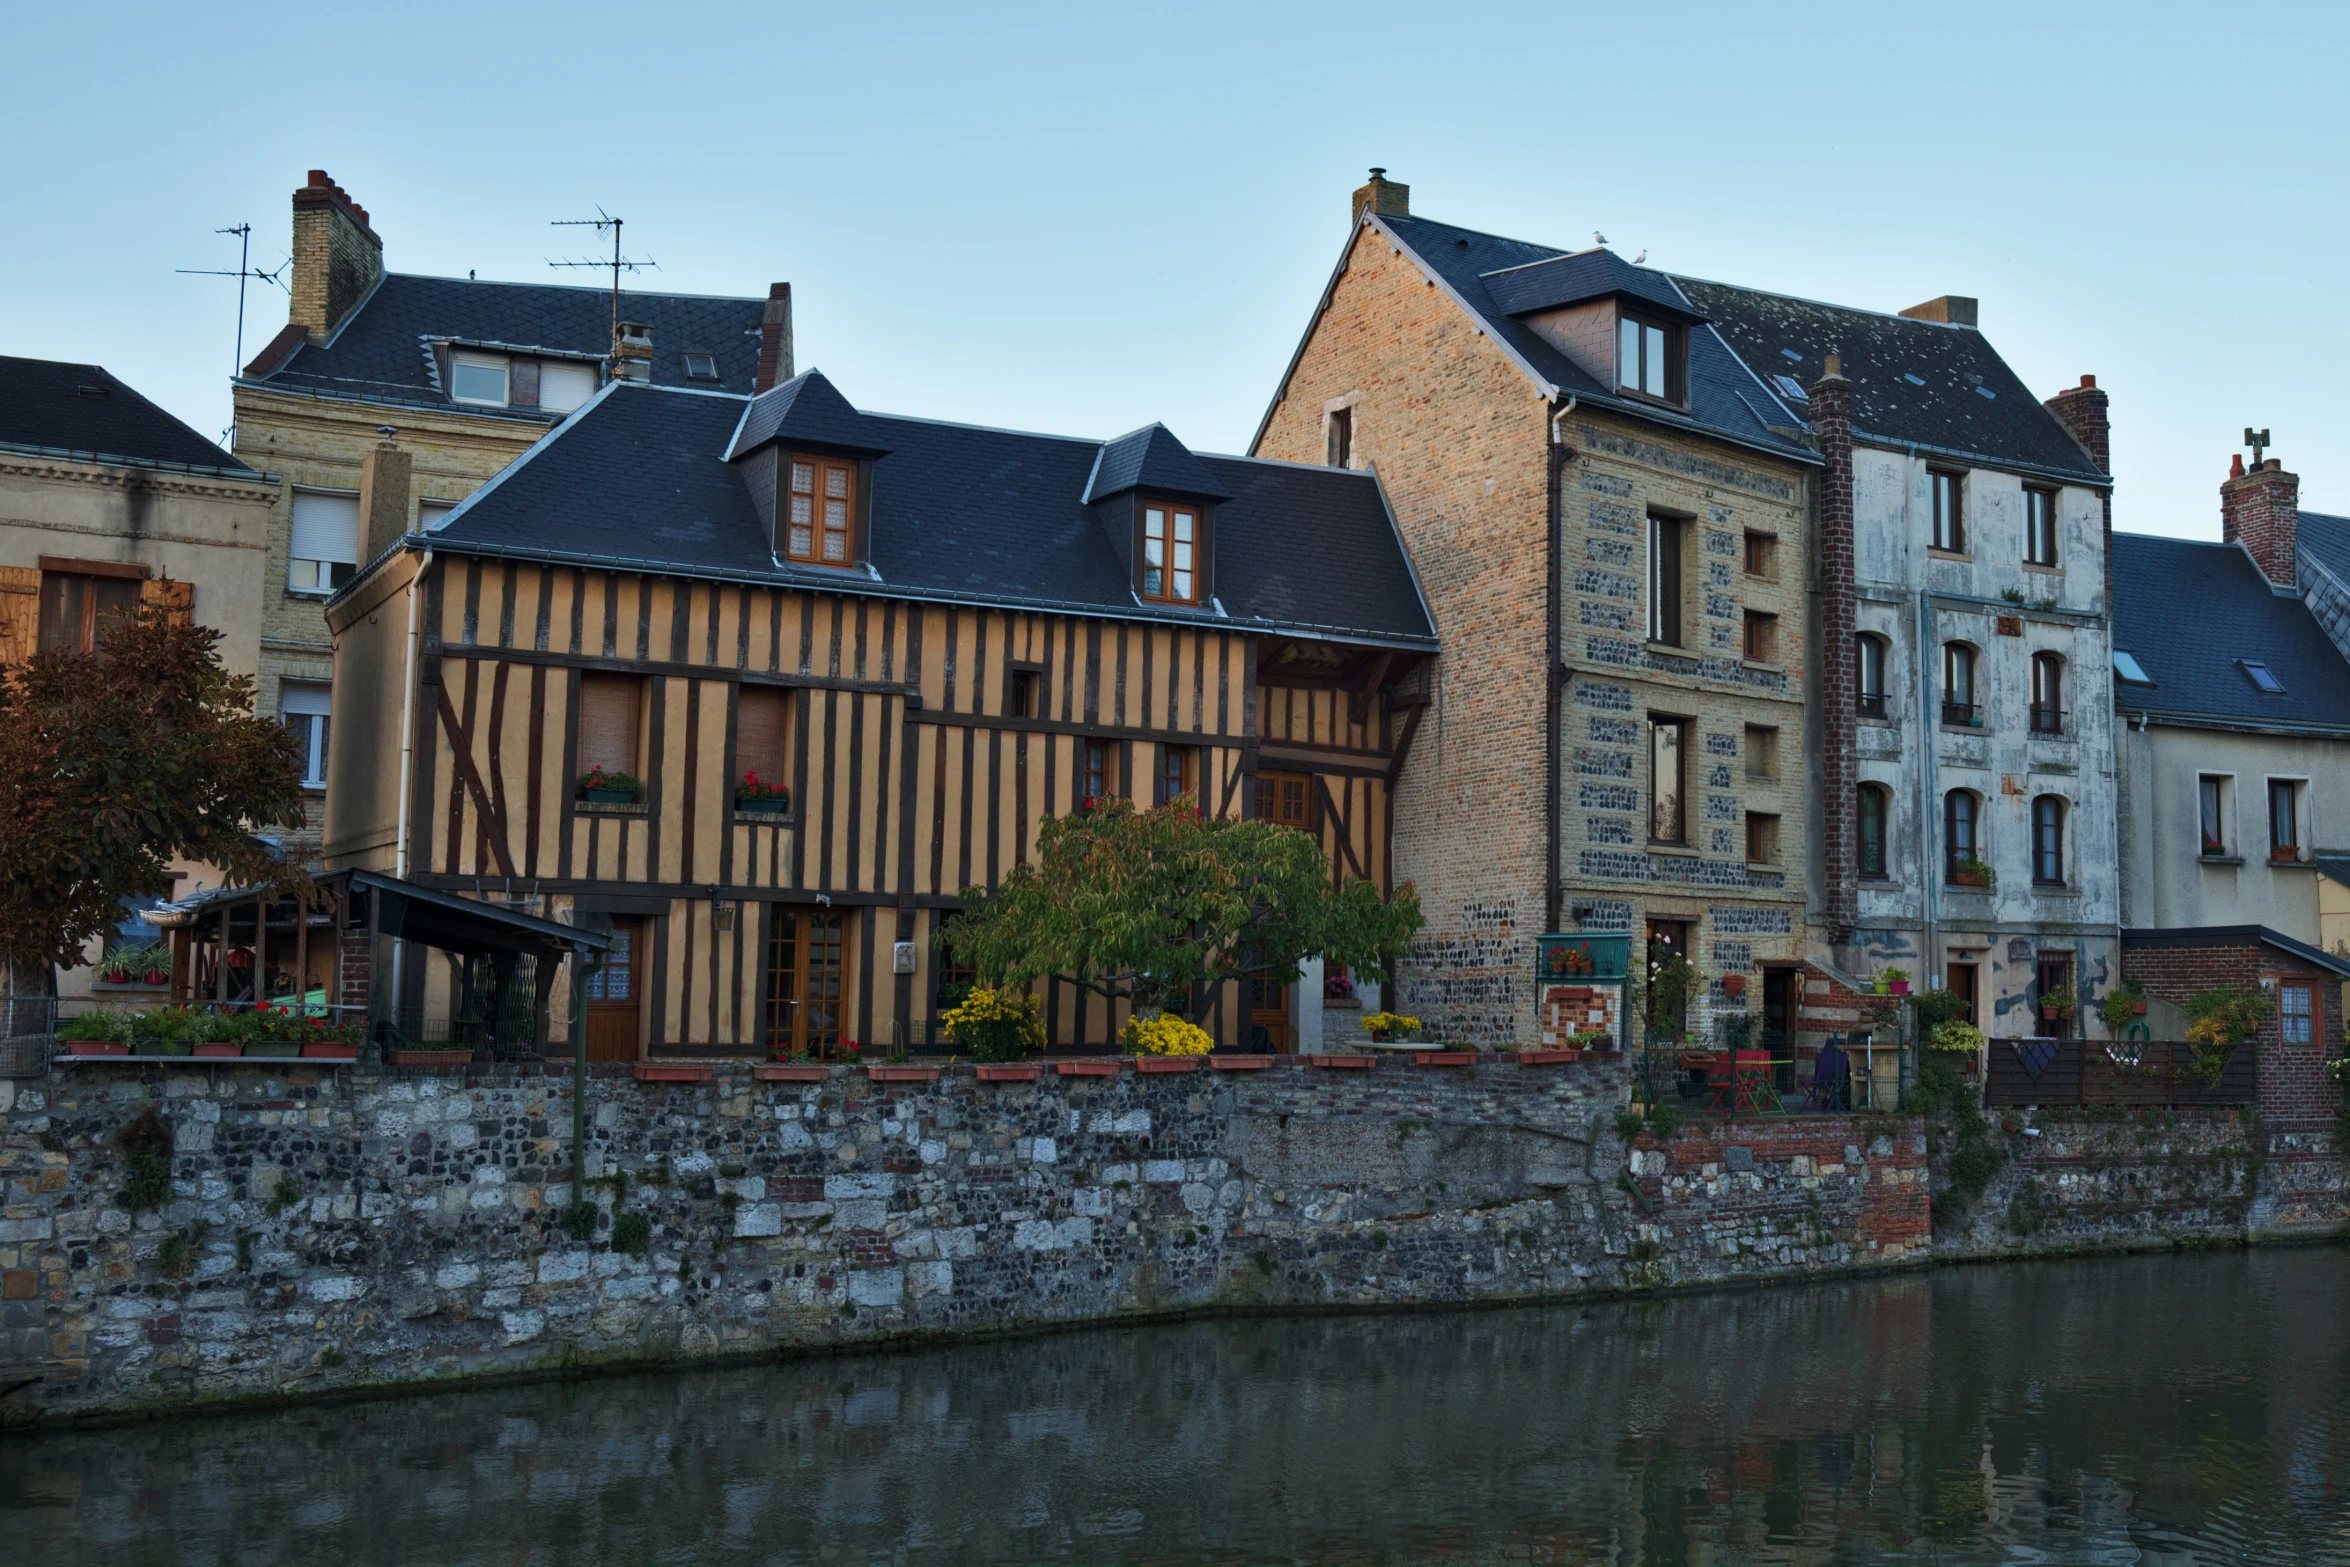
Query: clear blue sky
x=1084, y=218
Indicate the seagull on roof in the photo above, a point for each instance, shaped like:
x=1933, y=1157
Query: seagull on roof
x=1641, y=259
x=1597, y=238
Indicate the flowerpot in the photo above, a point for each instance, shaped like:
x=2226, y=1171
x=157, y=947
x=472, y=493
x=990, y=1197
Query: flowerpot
x=161, y=1047
x=1444, y=1057
x=1009, y=1071
x=116, y=976
x=791, y=1072
x=157, y=977
x=325, y=1051
x=220, y=1051
x=274, y=1050
x=1086, y=1068
x=611, y=796
x=1733, y=985
x=1342, y=1063
x=1884, y=987
x=1377, y=1038
x=1900, y=987
x=1548, y=1057
x=1166, y=1063
x=97, y=1047
x=767, y=807
x=671, y=1072
x=905, y=1072
x=431, y=1057
x=2138, y=1008
x=1239, y=1063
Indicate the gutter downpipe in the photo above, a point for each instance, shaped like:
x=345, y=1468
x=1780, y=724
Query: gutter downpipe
x=407, y=760
x=1928, y=823
x=1554, y=673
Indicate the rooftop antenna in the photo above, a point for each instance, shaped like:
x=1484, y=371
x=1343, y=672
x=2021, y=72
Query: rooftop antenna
x=245, y=270
x=619, y=264
x=2259, y=442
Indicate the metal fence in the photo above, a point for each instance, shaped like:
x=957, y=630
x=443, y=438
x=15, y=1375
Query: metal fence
x=28, y=1034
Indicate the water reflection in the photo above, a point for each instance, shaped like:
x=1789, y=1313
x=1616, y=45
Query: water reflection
x=2170, y=1409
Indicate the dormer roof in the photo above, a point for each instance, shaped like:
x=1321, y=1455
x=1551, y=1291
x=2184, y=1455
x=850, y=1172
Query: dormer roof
x=1582, y=277
x=1151, y=459
x=806, y=410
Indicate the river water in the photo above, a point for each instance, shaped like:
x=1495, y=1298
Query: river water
x=2160, y=1409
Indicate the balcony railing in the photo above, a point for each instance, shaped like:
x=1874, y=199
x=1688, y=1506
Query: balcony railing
x=1872, y=705
x=1961, y=715
x=2047, y=720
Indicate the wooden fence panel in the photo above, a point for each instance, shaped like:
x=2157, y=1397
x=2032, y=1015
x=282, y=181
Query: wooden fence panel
x=2010, y=1081
x=2089, y=1072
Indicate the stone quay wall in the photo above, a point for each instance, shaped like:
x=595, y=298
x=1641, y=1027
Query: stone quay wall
x=331, y=1229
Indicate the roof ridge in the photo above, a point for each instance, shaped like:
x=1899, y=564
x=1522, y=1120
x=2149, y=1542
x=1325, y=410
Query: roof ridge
x=1822, y=304
x=580, y=288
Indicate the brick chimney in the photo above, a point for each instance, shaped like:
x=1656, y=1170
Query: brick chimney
x=1831, y=424
x=2082, y=410
x=1383, y=196
x=2261, y=510
x=1950, y=310
x=775, y=365
x=383, y=495
x=337, y=257
x=632, y=352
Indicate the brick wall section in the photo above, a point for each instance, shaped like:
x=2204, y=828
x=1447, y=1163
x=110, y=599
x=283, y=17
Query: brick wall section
x=1829, y=1190
x=2084, y=411
x=2295, y=1090
x=2261, y=509
x=337, y=257
x=1834, y=676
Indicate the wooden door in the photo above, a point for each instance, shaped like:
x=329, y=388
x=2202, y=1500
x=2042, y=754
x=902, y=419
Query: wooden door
x=807, y=982
x=612, y=999
x=1268, y=1010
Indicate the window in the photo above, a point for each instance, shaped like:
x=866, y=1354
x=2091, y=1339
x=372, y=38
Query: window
x=1178, y=776
x=1762, y=839
x=1762, y=637
x=1101, y=773
x=823, y=509
x=807, y=974
x=80, y=613
x=1664, y=580
x=1648, y=358
x=565, y=384
x=2131, y=672
x=1959, y=980
x=1958, y=685
x=1285, y=798
x=432, y=516
x=2039, y=526
x=2296, y=1013
x=2055, y=973
x=2262, y=677
x=2211, y=794
x=1762, y=751
x=762, y=736
x=1875, y=805
x=305, y=707
x=478, y=378
x=2047, y=694
x=1949, y=526
x=1024, y=697
x=325, y=548
x=701, y=367
x=1762, y=555
x=1668, y=748
x=1962, y=841
x=610, y=711
x=1869, y=656
x=1169, y=536
x=1342, y=437
x=2048, y=840
x=2284, y=826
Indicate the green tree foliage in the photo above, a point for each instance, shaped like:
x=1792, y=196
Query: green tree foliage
x=115, y=762
x=1159, y=907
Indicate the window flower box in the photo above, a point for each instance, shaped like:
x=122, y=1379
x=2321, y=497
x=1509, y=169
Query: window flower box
x=1166, y=1063
x=671, y=1072
x=1009, y=1071
x=273, y=1050
x=1239, y=1063
x=1086, y=1068
x=903, y=1072
x=1548, y=1057
x=218, y=1051
x=432, y=1057
x=1444, y=1057
x=791, y=1072
x=330, y=1052
x=1342, y=1063
x=599, y=787
x=98, y=1047
x=761, y=799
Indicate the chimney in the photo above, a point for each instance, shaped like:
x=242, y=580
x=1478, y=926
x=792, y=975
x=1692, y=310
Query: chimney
x=632, y=352
x=1839, y=769
x=1950, y=310
x=775, y=339
x=337, y=257
x=2261, y=510
x=383, y=495
x=2081, y=410
x=1383, y=196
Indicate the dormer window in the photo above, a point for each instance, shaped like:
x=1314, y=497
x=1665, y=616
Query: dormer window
x=478, y=378
x=701, y=367
x=1170, y=545
x=1649, y=356
x=823, y=510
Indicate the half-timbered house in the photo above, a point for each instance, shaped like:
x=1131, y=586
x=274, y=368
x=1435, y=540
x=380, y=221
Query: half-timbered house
x=930, y=636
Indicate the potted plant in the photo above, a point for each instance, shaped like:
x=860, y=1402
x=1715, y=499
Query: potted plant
x=1967, y=871
x=166, y=1031
x=600, y=787
x=1733, y=985
x=263, y=1032
x=763, y=799
x=158, y=970
x=2218, y=1020
x=1380, y=1025
x=995, y=1025
x=2058, y=1004
x=2122, y=1004
x=96, y=1034
x=1960, y=1038
x=1893, y=981
x=122, y=964
x=1166, y=1035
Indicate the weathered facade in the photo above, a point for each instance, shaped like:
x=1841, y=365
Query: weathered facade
x=470, y=374
x=1613, y=551
x=974, y=654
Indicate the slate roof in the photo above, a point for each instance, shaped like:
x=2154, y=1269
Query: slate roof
x=382, y=352
x=1725, y=398
x=43, y=403
x=1587, y=274
x=1942, y=387
x=2328, y=539
x=639, y=479
x=2192, y=612
x=805, y=408
x=1151, y=458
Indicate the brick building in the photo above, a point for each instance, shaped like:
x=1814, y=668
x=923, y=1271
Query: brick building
x=1609, y=523
x=468, y=374
x=2304, y=988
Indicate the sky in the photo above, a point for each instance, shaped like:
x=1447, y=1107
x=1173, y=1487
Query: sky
x=1080, y=219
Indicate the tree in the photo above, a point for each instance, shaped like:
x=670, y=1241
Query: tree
x=112, y=764
x=1158, y=908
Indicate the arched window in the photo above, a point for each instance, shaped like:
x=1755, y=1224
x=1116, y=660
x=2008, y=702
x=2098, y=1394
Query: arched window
x=1958, y=685
x=2047, y=694
x=1962, y=839
x=1875, y=810
x=2048, y=840
x=1868, y=657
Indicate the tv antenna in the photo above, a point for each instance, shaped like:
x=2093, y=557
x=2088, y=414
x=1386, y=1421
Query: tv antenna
x=244, y=270
x=619, y=263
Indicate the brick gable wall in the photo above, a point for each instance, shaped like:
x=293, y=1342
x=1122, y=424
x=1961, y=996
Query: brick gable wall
x=2294, y=1087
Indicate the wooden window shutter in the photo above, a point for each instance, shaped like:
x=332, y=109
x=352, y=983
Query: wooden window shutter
x=609, y=706
x=20, y=613
x=762, y=727
x=177, y=599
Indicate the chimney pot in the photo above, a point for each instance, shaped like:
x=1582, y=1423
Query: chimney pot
x=1833, y=365
x=318, y=179
x=2089, y=383
x=2236, y=466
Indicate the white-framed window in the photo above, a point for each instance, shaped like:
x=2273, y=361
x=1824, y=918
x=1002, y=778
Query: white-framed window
x=431, y=516
x=2214, y=810
x=2296, y=1012
x=479, y=378
x=325, y=549
x=305, y=706
x=565, y=384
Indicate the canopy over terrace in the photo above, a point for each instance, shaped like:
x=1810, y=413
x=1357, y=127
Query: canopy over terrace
x=237, y=946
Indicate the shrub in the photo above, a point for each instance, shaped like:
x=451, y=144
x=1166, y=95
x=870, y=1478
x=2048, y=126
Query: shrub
x=2226, y=1015
x=632, y=1233
x=1663, y=1121
x=2120, y=1006
x=1166, y=1035
x=106, y=1025
x=579, y=1221
x=1959, y=1037
x=1628, y=1124
x=1392, y=1025
x=996, y=1025
x=146, y=1142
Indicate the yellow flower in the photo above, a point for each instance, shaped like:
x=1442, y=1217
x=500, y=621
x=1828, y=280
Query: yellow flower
x=1165, y=1034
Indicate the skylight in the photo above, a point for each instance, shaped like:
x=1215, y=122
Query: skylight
x=1984, y=391
x=1791, y=387
x=2126, y=665
x=1792, y=354
x=2260, y=675
x=701, y=367
x=1913, y=378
